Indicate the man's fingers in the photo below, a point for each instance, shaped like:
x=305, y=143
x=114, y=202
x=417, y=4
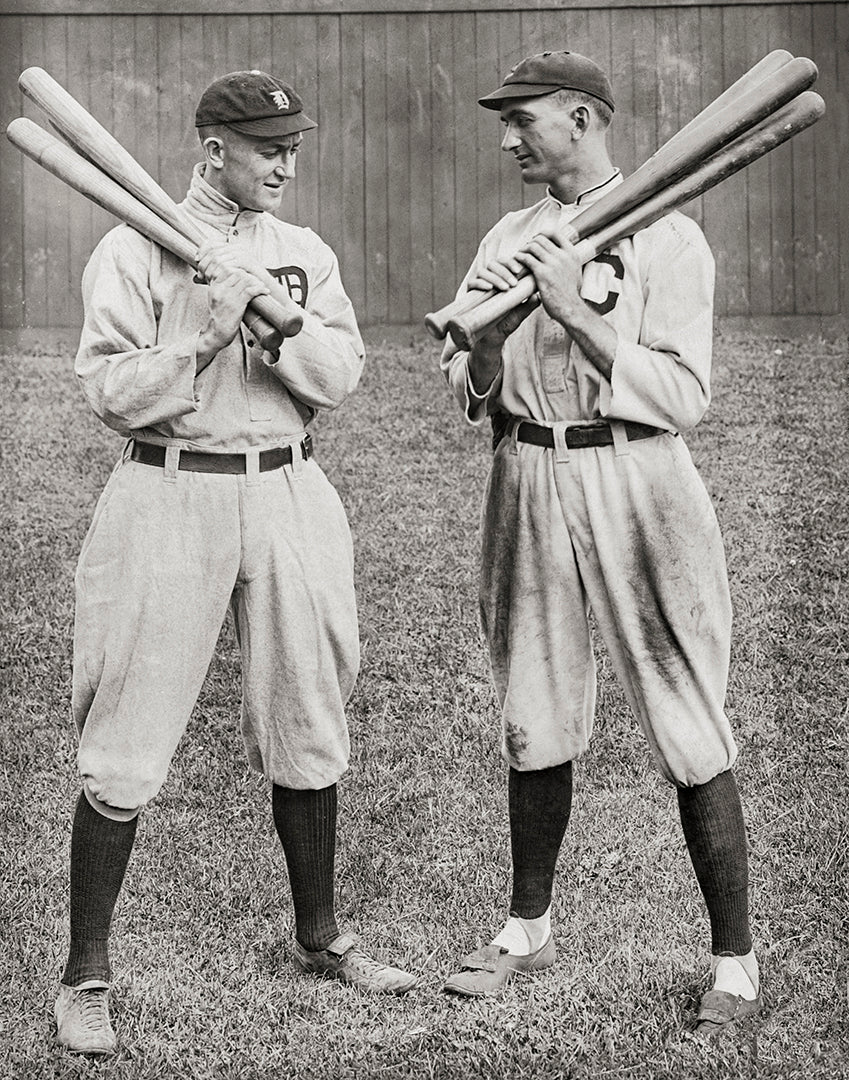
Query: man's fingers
x=529, y=259
x=210, y=251
x=235, y=280
x=504, y=274
x=216, y=259
x=540, y=245
x=499, y=274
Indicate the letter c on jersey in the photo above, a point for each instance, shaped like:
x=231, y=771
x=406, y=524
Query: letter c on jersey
x=606, y=258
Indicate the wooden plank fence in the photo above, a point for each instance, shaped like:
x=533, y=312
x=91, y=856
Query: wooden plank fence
x=404, y=173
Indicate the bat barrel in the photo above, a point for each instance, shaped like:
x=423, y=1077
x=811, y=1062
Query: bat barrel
x=684, y=153
x=768, y=65
x=63, y=162
x=789, y=120
x=769, y=84
x=91, y=140
x=269, y=320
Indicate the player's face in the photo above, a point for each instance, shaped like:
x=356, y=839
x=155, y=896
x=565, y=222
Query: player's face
x=539, y=133
x=254, y=171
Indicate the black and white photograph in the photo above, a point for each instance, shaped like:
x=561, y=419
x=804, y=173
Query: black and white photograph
x=424, y=635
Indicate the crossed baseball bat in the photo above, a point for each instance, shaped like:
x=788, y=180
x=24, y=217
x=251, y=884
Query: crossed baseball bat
x=765, y=107
x=94, y=163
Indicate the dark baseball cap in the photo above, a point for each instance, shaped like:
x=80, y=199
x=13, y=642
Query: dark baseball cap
x=549, y=71
x=253, y=103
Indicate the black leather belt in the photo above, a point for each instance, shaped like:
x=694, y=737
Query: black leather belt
x=580, y=437
x=195, y=461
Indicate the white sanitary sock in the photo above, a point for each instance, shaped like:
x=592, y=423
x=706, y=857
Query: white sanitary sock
x=520, y=937
x=736, y=974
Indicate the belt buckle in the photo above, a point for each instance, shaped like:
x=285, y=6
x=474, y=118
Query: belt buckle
x=306, y=446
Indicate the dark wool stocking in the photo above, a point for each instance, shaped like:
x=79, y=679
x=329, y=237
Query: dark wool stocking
x=306, y=824
x=100, y=851
x=540, y=802
x=712, y=820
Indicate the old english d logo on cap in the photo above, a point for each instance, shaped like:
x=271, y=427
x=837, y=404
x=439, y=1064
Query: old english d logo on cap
x=253, y=103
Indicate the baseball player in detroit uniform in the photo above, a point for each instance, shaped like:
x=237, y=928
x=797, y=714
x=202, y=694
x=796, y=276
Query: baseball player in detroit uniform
x=216, y=502
x=594, y=503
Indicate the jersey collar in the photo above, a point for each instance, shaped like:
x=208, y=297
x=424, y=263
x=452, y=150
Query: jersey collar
x=208, y=204
x=593, y=194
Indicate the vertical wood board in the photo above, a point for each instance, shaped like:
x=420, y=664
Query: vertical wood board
x=405, y=172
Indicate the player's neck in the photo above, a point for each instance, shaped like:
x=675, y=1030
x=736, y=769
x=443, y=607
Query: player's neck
x=590, y=174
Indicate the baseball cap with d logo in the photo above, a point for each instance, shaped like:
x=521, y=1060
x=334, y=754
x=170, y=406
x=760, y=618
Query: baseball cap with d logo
x=253, y=103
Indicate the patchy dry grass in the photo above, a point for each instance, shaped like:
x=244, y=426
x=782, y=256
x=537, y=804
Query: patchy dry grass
x=204, y=982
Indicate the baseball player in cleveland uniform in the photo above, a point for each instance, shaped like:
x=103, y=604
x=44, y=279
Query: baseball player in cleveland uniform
x=594, y=503
x=216, y=502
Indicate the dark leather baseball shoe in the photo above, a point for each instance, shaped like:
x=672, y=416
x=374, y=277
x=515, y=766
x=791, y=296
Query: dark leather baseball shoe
x=82, y=1018
x=719, y=1010
x=343, y=960
x=488, y=970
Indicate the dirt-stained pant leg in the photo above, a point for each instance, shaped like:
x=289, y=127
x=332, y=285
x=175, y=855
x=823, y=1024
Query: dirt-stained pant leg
x=651, y=556
x=635, y=535
x=533, y=613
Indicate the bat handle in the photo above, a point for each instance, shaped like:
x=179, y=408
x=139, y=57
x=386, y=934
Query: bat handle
x=436, y=322
x=271, y=321
x=471, y=325
x=267, y=336
x=439, y=322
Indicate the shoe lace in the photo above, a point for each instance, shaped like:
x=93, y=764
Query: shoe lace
x=363, y=963
x=93, y=1009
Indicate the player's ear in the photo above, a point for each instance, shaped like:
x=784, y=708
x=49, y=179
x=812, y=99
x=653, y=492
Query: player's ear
x=581, y=120
x=213, y=148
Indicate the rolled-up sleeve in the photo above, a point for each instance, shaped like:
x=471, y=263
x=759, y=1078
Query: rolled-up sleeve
x=130, y=381
x=322, y=364
x=664, y=379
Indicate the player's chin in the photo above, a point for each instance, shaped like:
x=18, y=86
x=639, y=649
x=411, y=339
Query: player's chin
x=530, y=173
x=270, y=198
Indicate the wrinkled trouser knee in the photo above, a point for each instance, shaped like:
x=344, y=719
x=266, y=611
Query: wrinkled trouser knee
x=159, y=567
x=635, y=538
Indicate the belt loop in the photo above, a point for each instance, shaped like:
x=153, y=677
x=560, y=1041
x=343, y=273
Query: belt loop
x=297, y=459
x=514, y=435
x=128, y=451
x=561, y=450
x=620, y=438
x=172, y=464
x=252, y=466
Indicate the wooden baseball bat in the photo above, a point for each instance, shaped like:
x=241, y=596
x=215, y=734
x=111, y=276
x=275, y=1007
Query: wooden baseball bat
x=765, y=67
x=680, y=156
x=85, y=177
x=269, y=317
x=789, y=120
x=773, y=81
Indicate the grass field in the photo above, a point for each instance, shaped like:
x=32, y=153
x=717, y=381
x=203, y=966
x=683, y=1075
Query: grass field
x=205, y=986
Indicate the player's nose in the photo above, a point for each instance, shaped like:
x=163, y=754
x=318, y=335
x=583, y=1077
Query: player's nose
x=511, y=140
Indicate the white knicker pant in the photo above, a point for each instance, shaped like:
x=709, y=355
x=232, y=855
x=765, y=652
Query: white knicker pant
x=635, y=538
x=160, y=565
